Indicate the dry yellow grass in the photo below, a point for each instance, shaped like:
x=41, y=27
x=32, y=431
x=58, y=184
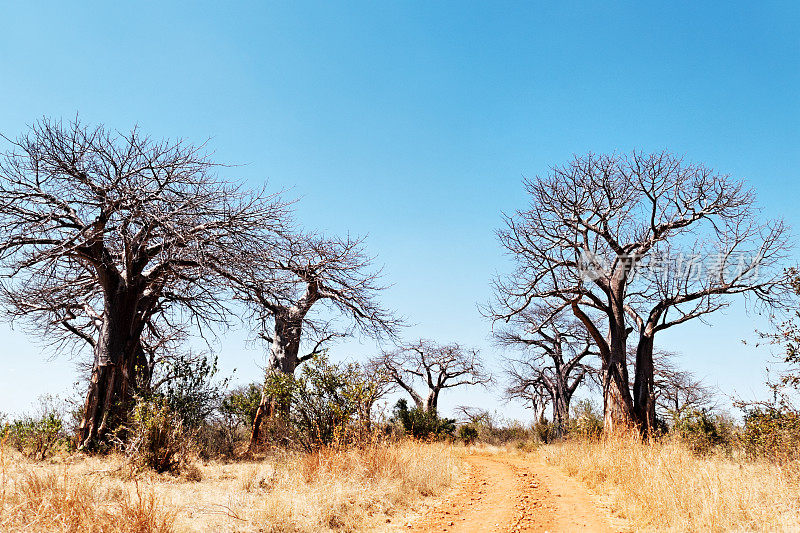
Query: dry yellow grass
x=54, y=499
x=664, y=487
x=345, y=490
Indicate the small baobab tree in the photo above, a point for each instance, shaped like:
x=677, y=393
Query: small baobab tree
x=677, y=390
x=555, y=351
x=436, y=367
x=296, y=290
x=108, y=238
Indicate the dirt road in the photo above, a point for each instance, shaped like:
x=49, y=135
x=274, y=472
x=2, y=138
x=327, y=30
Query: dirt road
x=509, y=493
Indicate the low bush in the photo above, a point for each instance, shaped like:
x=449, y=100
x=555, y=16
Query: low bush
x=226, y=432
x=703, y=431
x=422, y=424
x=157, y=438
x=586, y=421
x=467, y=434
x=40, y=435
x=326, y=404
x=771, y=433
x=492, y=429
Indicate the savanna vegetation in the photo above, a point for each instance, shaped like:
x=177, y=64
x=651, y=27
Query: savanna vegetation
x=128, y=252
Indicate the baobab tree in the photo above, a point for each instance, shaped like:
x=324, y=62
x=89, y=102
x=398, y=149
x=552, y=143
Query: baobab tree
x=295, y=291
x=609, y=235
x=528, y=387
x=437, y=367
x=676, y=390
x=109, y=238
x=556, y=348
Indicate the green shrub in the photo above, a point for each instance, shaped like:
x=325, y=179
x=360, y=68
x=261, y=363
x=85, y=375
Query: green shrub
x=586, y=421
x=226, y=432
x=772, y=433
x=467, y=434
x=241, y=404
x=492, y=429
x=191, y=392
x=701, y=430
x=41, y=435
x=422, y=424
x=325, y=404
x=544, y=431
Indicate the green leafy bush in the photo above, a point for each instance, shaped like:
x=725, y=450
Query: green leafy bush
x=422, y=424
x=325, y=404
x=224, y=433
x=189, y=387
x=467, y=434
x=41, y=435
x=772, y=433
x=544, y=431
x=702, y=431
x=241, y=404
x=586, y=421
x=492, y=429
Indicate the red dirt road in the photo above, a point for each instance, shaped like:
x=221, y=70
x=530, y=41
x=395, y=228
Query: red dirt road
x=513, y=494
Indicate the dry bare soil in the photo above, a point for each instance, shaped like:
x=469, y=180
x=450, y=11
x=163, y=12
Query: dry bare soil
x=502, y=491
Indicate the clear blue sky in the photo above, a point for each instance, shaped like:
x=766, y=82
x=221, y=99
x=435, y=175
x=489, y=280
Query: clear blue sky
x=414, y=122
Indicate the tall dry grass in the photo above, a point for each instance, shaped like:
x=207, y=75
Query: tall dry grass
x=665, y=487
x=331, y=489
x=354, y=489
x=55, y=500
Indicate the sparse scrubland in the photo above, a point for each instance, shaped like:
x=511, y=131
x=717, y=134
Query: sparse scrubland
x=126, y=248
x=704, y=474
x=347, y=489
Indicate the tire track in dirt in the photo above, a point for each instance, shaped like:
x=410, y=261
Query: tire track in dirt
x=506, y=493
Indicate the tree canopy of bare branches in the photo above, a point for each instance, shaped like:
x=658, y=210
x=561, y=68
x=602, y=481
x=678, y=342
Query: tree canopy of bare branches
x=436, y=367
x=555, y=348
x=610, y=236
x=298, y=288
x=112, y=238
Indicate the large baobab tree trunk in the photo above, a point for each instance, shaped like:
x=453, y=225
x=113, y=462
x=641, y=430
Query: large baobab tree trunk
x=283, y=360
x=111, y=385
x=561, y=401
x=618, y=413
x=644, y=380
x=617, y=403
x=431, y=403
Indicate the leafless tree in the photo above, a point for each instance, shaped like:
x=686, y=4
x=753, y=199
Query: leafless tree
x=676, y=390
x=111, y=239
x=293, y=286
x=592, y=236
x=554, y=361
x=437, y=367
x=528, y=386
x=379, y=385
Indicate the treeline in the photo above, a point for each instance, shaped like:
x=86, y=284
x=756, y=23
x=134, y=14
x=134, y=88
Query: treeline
x=129, y=246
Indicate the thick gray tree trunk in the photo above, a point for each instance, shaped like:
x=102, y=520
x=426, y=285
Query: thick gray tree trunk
x=643, y=384
x=283, y=359
x=113, y=374
x=431, y=403
x=618, y=413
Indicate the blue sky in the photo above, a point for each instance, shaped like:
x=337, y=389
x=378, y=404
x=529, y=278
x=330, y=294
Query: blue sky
x=414, y=122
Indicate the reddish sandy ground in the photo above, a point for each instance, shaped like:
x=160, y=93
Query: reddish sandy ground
x=509, y=493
